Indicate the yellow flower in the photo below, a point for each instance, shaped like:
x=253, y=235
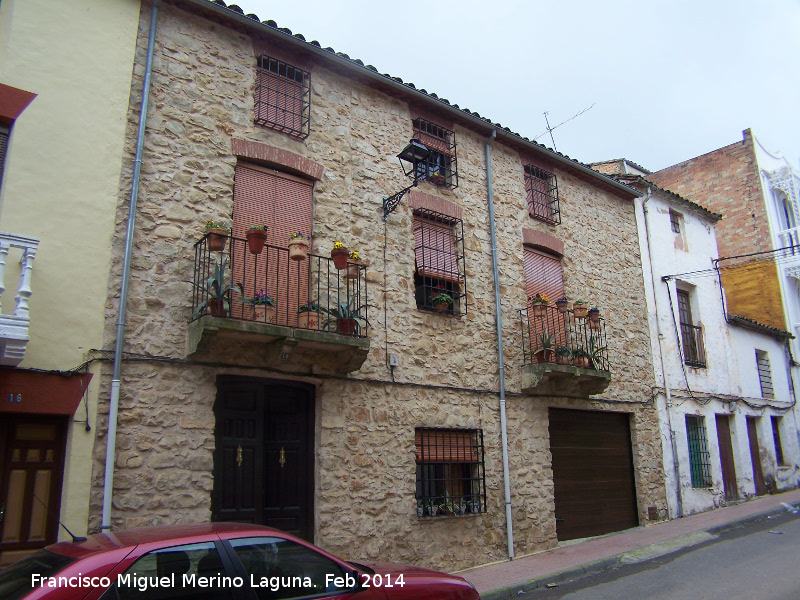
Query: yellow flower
x=354, y=255
x=338, y=245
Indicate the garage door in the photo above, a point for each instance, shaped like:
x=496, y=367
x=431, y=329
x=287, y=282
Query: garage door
x=592, y=473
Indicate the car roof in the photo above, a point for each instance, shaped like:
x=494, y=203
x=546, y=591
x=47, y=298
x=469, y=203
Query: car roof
x=169, y=534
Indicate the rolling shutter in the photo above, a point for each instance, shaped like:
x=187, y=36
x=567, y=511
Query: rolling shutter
x=434, y=249
x=445, y=446
x=543, y=274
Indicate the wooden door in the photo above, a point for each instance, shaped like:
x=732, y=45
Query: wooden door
x=593, y=480
x=264, y=460
x=755, y=457
x=31, y=472
x=726, y=457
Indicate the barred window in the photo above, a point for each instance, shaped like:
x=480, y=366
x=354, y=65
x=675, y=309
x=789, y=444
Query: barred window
x=439, y=262
x=541, y=188
x=764, y=374
x=699, y=461
x=283, y=97
x=776, y=439
x=450, y=471
x=675, y=221
x=441, y=166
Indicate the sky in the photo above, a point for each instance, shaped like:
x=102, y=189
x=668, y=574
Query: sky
x=666, y=81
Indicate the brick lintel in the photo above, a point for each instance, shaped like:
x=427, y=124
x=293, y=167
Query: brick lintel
x=279, y=157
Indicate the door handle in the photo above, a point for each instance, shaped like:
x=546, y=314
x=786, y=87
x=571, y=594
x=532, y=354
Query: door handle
x=282, y=458
x=239, y=458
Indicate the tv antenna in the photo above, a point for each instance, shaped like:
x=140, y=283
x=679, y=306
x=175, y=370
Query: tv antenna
x=550, y=129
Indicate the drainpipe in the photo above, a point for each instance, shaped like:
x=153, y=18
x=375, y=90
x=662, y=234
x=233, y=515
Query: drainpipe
x=111, y=441
x=503, y=420
x=667, y=392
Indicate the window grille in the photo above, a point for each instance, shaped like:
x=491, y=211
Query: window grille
x=541, y=188
x=451, y=478
x=764, y=374
x=694, y=353
x=675, y=221
x=776, y=439
x=283, y=97
x=3, y=144
x=439, y=260
x=699, y=460
x=441, y=166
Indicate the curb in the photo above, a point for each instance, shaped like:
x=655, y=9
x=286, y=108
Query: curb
x=512, y=591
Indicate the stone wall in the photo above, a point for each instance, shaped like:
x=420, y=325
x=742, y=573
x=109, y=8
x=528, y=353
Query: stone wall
x=201, y=99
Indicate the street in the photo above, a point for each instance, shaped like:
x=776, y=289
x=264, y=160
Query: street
x=759, y=560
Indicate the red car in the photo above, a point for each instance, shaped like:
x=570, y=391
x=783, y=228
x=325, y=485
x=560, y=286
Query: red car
x=216, y=561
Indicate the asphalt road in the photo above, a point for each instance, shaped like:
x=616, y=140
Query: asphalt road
x=759, y=561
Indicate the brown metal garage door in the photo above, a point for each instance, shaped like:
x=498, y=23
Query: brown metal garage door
x=592, y=473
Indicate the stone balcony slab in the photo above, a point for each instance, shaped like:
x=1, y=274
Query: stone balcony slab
x=552, y=379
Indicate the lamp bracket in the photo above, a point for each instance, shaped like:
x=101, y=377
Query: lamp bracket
x=390, y=203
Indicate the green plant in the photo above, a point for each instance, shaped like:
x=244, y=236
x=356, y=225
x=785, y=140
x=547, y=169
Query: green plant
x=299, y=236
x=579, y=303
x=596, y=352
x=545, y=340
x=212, y=224
x=310, y=306
x=441, y=297
x=346, y=310
x=563, y=352
x=217, y=289
x=261, y=298
x=257, y=228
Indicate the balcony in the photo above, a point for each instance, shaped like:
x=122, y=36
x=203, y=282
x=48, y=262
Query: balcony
x=563, y=354
x=311, y=318
x=14, y=325
x=694, y=353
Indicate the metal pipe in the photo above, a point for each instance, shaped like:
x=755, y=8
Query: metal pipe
x=499, y=321
x=668, y=400
x=111, y=439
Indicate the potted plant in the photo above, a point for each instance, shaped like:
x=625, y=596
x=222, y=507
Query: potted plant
x=263, y=306
x=563, y=355
x=309, y=315
x=594, y=315
x=441, y=300
x=216, y=232
x=339, y=254
x=562, y=304
x=354, y=264
x=544, y=352
x=579, y=309
x=438, y=177
x=218, y=292
x=539, y=304
x=581, y=358
x=256, y=238
x=431, y=507
x=299, y=245
x=347, y=317
x=597, y=353
x=474, y=506
x=420, y=508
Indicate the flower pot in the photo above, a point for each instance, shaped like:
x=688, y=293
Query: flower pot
x=545, y=356
x=217, y=308
x=441, y=306
x=584, y=362
x=438, y=179
x=256, y=240
x=308, y=320
x=264, y=313
x=562, y=306
x=579, y=311
x=594, y=316
x=340, y=257
x=216, y=239
x=539, y=310
x=347, y=326
x=353, y=269
x=433, y=510
x=298, y=249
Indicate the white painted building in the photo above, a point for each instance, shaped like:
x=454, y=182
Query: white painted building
x=728, y=424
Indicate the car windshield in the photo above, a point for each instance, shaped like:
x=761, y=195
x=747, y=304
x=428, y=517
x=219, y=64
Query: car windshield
x=15, y=581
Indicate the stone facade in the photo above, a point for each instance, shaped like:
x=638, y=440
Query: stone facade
x=364, y=479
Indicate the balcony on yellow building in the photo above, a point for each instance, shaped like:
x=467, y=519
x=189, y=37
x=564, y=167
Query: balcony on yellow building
x=15, y=323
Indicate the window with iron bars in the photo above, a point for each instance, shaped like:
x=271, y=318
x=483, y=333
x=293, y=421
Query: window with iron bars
x=439, y=276
x=441, y=166
x=283, y=97
x=776, y=440
x=699, y=460
x=541, y=188
x=451, y=479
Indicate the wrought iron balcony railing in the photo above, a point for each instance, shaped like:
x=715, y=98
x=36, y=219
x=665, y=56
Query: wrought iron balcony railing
x=310, y=293
x=553, y=335
x=694, y=354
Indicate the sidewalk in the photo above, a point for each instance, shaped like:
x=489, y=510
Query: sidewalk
x=505, y=580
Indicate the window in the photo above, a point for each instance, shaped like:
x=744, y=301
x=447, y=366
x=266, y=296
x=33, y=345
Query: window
x=675, y=219
x=440, y=168
x=283, y=97
x=699, y=461
x=450, y=471
x=764, y=374
x=543, y=274
x=776, y=438
x=439, y=258
x=694, y=353
x=541, y=188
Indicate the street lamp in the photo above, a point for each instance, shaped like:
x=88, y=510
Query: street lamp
x=413, y=154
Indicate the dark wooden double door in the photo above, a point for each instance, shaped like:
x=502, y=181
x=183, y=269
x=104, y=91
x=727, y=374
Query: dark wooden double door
x=264, y=457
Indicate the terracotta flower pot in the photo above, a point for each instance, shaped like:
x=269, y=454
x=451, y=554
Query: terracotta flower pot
x=579, y=311
x=441, y=306
x=347, y=326
x=353, y=269
x=217, y=239
x=256, y=240
x=217, y=308
x=545, y=356
x=298, y=249
x=340, y=257
x=562, y=306
x=264, y=313
x=594, y=316
x=308, y=320
x=539, y=310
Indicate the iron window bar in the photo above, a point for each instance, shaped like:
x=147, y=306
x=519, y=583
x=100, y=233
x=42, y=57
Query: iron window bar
x=541, y=189
x=440, y=264
x=441, y=165
x=699, y=459
x=283, y=97
x=694, y=354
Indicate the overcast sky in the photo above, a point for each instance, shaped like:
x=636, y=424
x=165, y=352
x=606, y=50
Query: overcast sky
x=667, y=81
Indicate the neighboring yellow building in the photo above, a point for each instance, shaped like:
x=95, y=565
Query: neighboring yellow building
x=65, y=72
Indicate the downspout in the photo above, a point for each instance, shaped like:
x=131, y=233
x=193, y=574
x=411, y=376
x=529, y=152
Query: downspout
x=667, y=393
x=111, y=441
x=499, y=320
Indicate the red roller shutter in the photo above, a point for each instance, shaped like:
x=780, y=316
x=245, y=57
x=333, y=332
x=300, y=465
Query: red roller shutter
x=543, y=274
x=434, y=249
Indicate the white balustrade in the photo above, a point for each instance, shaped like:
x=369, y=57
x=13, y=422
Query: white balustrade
x=15, y=325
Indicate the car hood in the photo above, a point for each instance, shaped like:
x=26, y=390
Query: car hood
x=421, y=583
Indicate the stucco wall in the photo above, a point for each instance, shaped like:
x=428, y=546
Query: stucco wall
x=61, y=182
x=202, y=97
